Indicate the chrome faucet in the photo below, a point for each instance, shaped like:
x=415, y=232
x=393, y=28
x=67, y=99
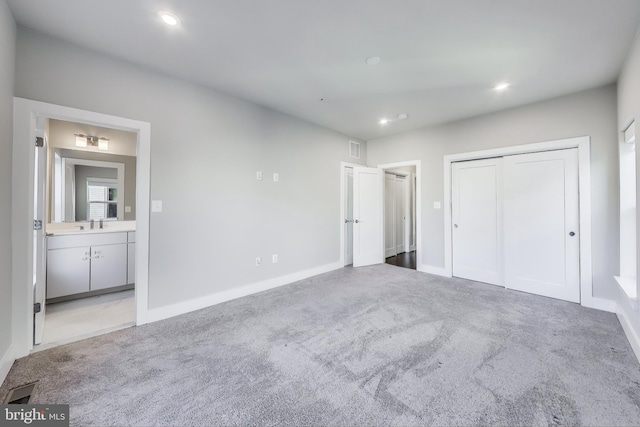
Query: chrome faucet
x=92, y=224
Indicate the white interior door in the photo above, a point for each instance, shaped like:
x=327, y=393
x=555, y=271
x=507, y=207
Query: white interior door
x=39, y=244
x=476, y=220
x=400, y=214
x=389, y=215
x=368, y=229
x=348, y=218
x=541, y=217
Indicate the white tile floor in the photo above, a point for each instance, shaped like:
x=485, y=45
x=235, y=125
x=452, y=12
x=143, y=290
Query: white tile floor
x=75, y=320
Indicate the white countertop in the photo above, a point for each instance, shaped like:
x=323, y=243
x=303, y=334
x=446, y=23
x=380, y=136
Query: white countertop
x=69, y=228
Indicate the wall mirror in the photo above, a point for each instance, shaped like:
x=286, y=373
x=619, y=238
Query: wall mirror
x=90, y=181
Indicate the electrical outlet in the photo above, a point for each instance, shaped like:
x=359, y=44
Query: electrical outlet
x=259, y=175
x=258, y=261
x=437, y=205
x=276, y=177
x=274, y=258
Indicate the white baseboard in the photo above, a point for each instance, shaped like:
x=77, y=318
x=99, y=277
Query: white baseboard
x=207, y=301
x=6, y=363
x=630, y=332
x=600, y=304
x=438, y=271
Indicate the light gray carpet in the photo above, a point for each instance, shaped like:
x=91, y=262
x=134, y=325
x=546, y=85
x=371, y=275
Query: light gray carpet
x=378, y=345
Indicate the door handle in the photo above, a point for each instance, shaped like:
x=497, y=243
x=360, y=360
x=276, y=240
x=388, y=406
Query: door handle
x=346, y=221
x=572, y=234
x=455, y=225
x=357, y=221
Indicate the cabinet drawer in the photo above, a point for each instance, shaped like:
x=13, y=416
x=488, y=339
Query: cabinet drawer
x=90, y=239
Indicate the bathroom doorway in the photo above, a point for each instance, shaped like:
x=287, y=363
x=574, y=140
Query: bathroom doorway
x=89, y=219
x=35, y=214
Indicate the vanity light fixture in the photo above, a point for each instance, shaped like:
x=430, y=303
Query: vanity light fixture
x=81, y=141
x=92, y=141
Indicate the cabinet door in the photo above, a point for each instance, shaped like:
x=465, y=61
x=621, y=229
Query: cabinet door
x=108, y=266
x=67, y=271
x=131, y=263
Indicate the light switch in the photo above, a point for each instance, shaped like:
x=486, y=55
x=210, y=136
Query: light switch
x=127, y=209
x=437, y=205
x=276, y=177
x=156, y=206
x=259, y=175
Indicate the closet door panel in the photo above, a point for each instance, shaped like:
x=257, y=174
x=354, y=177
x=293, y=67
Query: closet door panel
x=541, y=217
x=477, y=220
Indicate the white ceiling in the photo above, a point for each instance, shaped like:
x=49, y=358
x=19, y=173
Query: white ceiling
x=440, y=58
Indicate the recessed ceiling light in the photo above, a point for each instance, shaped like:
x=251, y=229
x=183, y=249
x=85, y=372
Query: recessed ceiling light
x=403, y=116
x=169, y=18
x=501, y=86
x=384, y=121
x=373, y=60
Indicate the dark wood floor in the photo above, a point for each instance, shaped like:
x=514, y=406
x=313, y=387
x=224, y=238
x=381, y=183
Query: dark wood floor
x=406, y=260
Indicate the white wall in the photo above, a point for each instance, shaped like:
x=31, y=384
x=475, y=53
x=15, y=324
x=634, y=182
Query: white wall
x=592, y=113
x=7, y=59
x=205, y=150
x=628, y=109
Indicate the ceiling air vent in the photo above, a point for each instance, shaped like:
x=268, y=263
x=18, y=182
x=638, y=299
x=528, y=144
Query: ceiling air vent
x=354, y=149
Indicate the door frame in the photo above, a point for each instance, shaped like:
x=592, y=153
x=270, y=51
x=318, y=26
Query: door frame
x=583, y=144
x=418, y=201
x=406, y=209
x=25, y=113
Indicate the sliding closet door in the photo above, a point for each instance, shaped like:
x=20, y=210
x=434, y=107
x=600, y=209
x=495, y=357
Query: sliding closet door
x=541, y=224
x=476, y=220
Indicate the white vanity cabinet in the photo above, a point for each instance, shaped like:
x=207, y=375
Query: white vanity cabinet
x=85, y=262
x=68, y=271
x=108, y=266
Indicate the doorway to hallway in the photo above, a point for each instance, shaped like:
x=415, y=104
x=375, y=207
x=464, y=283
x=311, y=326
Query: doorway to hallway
x=404, y=224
